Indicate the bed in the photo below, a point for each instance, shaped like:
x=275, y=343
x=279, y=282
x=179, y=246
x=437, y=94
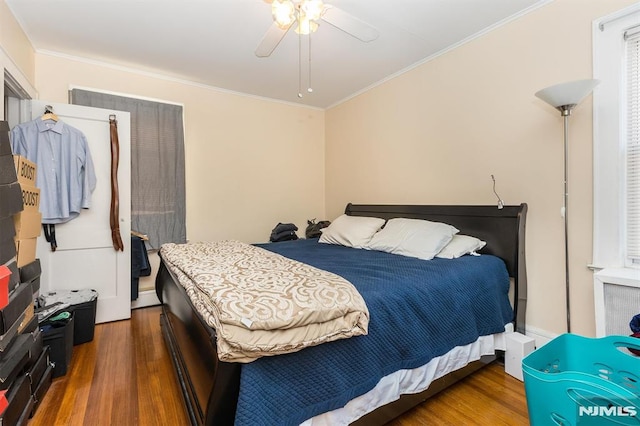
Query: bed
x=219, y=393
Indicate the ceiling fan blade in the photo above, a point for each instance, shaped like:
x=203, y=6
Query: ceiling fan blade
x=271, y=40
x=349, y=24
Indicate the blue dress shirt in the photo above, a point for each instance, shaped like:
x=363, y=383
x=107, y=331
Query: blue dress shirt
x=65, y=174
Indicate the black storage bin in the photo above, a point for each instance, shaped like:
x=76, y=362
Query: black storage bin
x=84, y=315
x=82, y=303
x=58, y=335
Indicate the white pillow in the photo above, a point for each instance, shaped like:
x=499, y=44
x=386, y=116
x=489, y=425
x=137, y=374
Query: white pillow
x=461, y=245
x=351, y=231
x=413, y=237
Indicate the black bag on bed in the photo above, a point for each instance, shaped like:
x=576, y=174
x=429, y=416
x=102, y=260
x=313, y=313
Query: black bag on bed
x=283, y=232
x=314, y=230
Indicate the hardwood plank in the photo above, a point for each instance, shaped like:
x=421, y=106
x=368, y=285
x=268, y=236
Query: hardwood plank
x=125, y=377
x=487, y=397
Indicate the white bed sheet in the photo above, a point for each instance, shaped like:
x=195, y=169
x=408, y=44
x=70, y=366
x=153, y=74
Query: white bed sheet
x=390, y=387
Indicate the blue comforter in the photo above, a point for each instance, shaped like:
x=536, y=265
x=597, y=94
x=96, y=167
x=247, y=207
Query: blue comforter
x=419, y=310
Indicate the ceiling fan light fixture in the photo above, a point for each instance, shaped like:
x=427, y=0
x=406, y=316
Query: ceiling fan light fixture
x=313, y=9
x=283, y=13
x=306, y=26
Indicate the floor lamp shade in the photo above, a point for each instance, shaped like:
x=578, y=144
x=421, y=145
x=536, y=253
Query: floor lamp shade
x=564, y=97
x=567, y=94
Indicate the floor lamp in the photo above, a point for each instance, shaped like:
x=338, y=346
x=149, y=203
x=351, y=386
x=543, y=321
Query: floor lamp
x=565, y=97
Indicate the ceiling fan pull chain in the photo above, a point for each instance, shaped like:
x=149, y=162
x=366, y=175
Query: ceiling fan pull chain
x=309, y=89
x=299, y=64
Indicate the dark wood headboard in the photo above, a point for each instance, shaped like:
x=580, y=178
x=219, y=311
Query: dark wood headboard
x=502, y=229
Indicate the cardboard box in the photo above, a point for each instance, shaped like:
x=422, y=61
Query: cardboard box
x=10, y=199
x=27, y=224
x=26, y=250
x=25, y=170
x=30, y=198
x=7, y=172
x=5, y=143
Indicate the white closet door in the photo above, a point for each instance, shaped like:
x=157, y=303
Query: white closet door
x=85, y=257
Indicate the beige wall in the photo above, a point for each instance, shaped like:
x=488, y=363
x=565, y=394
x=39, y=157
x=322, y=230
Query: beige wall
x=16, y=53
x=250, y=163
x=434, y=135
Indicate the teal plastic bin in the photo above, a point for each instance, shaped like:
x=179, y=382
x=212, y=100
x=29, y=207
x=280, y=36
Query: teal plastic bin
x=581, y=381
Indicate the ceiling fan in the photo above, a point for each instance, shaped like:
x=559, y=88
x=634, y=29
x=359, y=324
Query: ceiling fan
x=303, y=16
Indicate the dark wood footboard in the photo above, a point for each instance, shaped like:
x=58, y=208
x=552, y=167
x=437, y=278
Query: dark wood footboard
x=210, y=387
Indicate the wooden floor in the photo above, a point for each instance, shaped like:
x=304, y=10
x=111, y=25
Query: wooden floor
x=124, y=377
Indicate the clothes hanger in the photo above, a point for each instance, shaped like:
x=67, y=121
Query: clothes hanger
x=143, y=237
x=49, y=114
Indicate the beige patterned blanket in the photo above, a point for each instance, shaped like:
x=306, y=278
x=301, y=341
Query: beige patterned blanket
x=261, y=303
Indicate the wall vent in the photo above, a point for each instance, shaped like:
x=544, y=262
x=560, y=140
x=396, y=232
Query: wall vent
x=617, y=300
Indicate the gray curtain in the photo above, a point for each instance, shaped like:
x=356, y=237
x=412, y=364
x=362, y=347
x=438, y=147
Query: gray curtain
x=157, y=164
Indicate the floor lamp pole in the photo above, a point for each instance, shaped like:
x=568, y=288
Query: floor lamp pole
x=565, y=114
x=564, y=97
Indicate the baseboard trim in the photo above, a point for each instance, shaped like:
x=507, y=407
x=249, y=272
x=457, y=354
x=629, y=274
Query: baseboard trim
x=541, y=337
x=145, y=299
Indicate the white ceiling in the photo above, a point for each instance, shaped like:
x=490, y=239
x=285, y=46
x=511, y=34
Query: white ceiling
x=212, y=42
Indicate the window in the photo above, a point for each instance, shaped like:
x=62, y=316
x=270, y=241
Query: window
x=632, y=136
x=157, y=164
x=617, y=140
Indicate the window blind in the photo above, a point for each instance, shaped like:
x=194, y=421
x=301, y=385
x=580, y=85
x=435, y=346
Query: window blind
x=632, y=38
